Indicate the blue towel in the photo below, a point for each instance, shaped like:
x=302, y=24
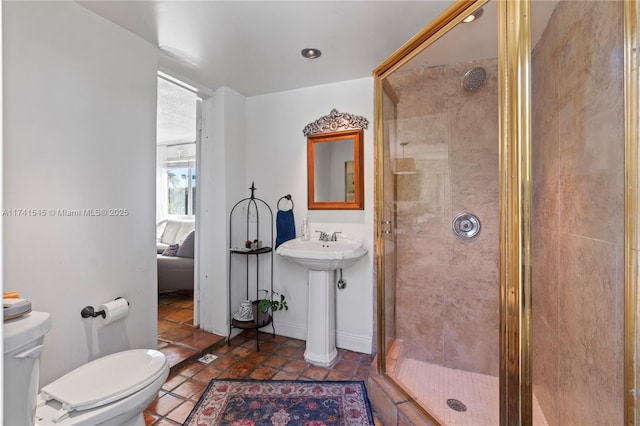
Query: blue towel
x=285, y=227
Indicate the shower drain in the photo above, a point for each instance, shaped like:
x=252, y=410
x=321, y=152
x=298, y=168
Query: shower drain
x=456, y=405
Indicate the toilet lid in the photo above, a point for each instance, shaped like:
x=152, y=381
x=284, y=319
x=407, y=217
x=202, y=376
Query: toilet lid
x=106, y=379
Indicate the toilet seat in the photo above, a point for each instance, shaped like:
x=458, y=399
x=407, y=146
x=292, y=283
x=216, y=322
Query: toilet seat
x=104, y=381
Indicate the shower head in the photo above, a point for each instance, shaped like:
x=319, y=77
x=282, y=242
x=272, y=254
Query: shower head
x=473, y=79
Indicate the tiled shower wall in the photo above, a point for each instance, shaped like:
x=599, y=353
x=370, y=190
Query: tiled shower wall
x=577, y=226
x=447, y=292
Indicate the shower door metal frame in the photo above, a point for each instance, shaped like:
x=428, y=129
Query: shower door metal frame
x=632, y=185
x=451, y=17
x=514, y=62
x=514, y=58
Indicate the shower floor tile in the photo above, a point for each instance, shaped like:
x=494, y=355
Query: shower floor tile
x=433, y=385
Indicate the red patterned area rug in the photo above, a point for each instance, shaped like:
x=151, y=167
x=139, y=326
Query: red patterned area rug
x=282, y=402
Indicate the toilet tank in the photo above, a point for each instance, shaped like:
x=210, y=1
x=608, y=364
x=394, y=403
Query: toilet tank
x=22, y=339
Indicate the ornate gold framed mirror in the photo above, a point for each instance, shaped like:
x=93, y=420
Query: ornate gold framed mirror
x=335, y=178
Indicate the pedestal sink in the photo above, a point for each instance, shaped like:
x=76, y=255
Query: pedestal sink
x=322, y=258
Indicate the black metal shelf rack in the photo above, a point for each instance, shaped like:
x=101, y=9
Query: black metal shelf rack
x=254, y=257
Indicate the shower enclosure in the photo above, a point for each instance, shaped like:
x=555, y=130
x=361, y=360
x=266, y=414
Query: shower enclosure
x=507, y=268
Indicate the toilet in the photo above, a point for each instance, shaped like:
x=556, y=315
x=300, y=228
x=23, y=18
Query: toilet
x=112, y=390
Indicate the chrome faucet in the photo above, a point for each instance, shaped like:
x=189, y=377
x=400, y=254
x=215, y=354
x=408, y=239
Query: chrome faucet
x=323, y=236
x=334, y=236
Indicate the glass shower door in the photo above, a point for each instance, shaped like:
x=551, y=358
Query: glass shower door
x=386, y=292
x=441, y=286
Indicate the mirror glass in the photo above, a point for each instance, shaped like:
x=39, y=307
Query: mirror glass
x=330, y=166
x=334, y=162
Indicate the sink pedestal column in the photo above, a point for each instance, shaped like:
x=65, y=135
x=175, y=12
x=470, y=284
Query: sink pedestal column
x=321, y=319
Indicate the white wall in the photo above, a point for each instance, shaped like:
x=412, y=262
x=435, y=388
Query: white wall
x=277, y=162
x=221, y=182
x=79, y=133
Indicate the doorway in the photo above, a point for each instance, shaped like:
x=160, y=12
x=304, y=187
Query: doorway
x=176, y=195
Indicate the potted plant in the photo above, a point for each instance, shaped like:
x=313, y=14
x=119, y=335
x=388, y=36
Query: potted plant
x=269, y=303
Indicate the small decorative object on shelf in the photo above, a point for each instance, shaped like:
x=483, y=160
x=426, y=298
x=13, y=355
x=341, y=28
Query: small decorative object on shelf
x=244, y=313
x=248, y=242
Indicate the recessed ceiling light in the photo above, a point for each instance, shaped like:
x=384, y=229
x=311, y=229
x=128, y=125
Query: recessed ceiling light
x=311, y=53
x=475, y=15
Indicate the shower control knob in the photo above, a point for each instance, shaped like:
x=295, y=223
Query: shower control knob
x=465, y=225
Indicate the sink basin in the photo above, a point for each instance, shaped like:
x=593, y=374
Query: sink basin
x=323, y=255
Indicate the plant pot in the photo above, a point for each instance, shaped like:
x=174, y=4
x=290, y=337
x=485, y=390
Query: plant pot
x=261, y=318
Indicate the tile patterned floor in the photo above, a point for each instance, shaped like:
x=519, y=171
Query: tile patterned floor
x=178, y=338
x=279, y=358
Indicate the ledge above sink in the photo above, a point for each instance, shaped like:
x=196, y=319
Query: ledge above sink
x=323, y=255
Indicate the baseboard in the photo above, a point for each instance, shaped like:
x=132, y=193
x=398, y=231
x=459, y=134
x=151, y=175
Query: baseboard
x=289, y=329
x=344, y=340
x=354, y=342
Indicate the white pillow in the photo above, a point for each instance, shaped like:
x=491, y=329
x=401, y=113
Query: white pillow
x=186, y=228
x=170, y=231
x=186, y=248
x=160, y=229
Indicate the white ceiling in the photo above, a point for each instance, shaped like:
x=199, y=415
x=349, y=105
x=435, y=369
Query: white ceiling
x=254, y=46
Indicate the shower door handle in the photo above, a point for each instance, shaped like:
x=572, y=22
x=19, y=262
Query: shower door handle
x=385, y=227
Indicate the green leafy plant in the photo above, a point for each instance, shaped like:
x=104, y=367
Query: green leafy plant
x=277, y=302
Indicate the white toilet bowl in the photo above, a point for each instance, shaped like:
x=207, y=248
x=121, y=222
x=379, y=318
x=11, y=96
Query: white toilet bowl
x=112, y=390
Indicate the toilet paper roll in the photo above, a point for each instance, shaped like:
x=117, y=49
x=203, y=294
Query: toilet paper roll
x=115, y=310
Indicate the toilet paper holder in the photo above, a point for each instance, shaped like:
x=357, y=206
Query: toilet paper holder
x=90, y=312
